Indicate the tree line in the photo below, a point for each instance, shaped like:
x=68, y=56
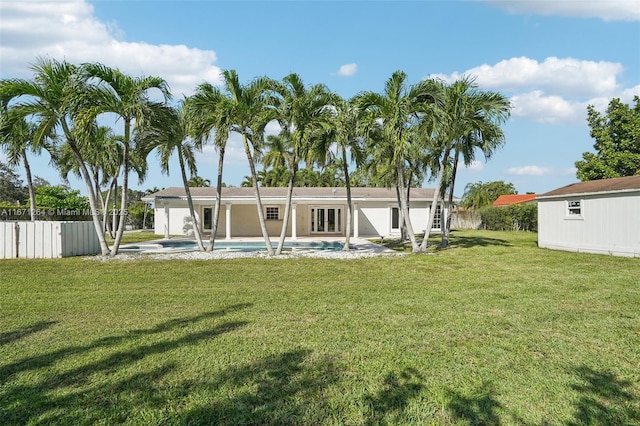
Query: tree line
x=396, y=138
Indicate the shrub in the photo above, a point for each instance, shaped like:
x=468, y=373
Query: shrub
x=517, y=217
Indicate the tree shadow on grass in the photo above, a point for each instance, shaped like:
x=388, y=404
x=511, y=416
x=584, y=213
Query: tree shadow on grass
x=468, y=242
x=12, y=336
x=604, y=399
x=292, y=388
x=73, y=397
x=50, y=358
x=477, y=409
x=389, y=404
x=281, y=389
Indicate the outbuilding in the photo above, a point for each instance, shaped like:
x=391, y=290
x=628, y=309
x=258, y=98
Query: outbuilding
x=600, y=216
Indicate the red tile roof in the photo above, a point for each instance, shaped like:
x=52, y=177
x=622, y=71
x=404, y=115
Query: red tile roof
x=507, y=200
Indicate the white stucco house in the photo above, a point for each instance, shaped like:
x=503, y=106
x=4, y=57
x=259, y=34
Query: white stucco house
x=601, y=216
x=315, y=212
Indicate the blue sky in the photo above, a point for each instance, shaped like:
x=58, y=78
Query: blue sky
x=551, y=58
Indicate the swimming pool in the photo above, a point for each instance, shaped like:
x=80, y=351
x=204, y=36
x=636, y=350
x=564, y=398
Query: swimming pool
x=165, y=246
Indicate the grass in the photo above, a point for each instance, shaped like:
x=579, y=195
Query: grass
x=491, y=331
x=137, y=236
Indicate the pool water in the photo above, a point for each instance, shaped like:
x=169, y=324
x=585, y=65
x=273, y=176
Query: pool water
x=241, y=246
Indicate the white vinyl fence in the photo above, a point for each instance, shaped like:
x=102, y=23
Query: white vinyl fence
x=45, y=239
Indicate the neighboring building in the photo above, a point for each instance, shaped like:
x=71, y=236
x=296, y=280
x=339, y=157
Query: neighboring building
x=507, y=200
x=600, y=216
x=314, y=212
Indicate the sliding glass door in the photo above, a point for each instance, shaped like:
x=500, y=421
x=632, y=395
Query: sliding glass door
x=326, y=220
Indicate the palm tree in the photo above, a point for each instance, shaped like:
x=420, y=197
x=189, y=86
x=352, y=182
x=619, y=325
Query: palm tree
x=349, y=132
x=55, y=98
x=103, y=158
x=198, y=181
x=16, y=137
x=484, y=113
x=278, y=151
x=243, y=109
x=472, y=119
x=128, y=98
x=208, y=115
x=299, y=111
x=174, y=137
x=401, y=107
x=278, y=176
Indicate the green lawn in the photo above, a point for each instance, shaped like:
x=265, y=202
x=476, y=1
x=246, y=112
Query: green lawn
x=135, y=237
x=490, y=331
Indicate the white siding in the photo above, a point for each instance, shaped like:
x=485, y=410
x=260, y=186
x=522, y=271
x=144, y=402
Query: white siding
x=375, y=218
x=179, y=221
x=609, y=224
x=44, y=239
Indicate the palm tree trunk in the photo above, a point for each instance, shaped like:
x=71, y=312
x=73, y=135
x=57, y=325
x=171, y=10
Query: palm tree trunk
x=101, y=198
x=403, y=227
x=113, y=190
x=216, y=212
x=405, y=208
x=447, y=227
x=114, y=210
x=32, y=192
x=125, y=187
x=345, y=168
x=185, y=182
x=256, y=191
x=93, y=204
x=287, y=207
x=104, y=202
x=434, y=203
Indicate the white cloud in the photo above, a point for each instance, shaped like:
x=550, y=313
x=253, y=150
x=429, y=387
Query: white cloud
x=610, y=10
x=528, y=171
x=556, y=90
x=566, y=76
x=348, y=70
x=476, y=166
x=69, y=30
x=234, y=155
x=547, y=108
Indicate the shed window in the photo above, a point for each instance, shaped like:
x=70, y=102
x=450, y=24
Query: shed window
x=574, y=208
x=272, y=213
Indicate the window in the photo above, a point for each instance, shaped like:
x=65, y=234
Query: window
x=574, y=208
x=395, y=218
x=207, y=218
x=273, y=213
x=437, y=220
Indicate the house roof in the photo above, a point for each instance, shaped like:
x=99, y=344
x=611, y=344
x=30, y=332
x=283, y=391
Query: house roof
x=628, y=183
x=507, y=200
x=298, y=193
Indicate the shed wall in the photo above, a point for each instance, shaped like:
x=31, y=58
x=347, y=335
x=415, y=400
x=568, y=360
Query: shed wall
x=609, y=224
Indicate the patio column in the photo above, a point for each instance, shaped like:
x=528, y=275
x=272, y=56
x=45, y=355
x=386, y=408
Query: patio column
x=356, y=226
x=228, y=221
x=166, y=221
x=294, y=222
